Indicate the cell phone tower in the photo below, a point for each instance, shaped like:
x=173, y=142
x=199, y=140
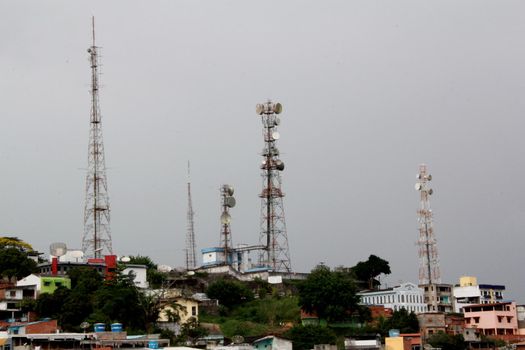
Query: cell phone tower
x=227, y=202
x=273, y=236
x=96, y=240
x=429, y=272
x=191, y=262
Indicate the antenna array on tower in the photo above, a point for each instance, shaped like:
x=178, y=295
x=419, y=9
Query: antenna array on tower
x=429, y=271
x=273, y=235
x=96, y=240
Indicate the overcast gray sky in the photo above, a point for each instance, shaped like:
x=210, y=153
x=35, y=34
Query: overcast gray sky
x=370, y=89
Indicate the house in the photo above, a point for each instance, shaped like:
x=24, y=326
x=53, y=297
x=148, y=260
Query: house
x=272, y=343
x=469, y=292
x=438, y=297
x=406, y=296
x=409, y=341
x=492, y=319
x=44, y=284
x=435, y=322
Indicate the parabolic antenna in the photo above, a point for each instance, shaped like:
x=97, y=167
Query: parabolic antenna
x=58, y=249
x=237, y=339
x=277, y=108
x=164, y=268
x=418, y=187
x=85, y=325
x=125, y=259
x=429, y=177
x=276, y=135
x=226, y=218
x=279, y=165
x=418, y=176
x=430, y=191
x=277, y=121
x=77, y=254
x=259, y=109
x=229, y=202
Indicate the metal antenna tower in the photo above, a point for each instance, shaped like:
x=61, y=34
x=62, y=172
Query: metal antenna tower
x=191, y=262
x=273, y=236
x=96, y=240
x=227, y=202
x=429, y=272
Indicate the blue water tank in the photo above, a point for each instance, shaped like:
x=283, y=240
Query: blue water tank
x=116, y=327
x=99, y=327
x=153, y=344
x=393, y=333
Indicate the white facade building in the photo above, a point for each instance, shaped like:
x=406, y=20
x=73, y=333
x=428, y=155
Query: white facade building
x=406, y=296
x=139, y=272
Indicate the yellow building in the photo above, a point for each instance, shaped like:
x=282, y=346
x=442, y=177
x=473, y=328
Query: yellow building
x=468, y=281
x=394, y=343
x=187, y=308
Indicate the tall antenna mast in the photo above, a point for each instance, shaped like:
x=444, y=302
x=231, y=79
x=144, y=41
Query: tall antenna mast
x=96, y=239
x=191, y=262
x=273, y=236
x=227, y=202
x=429, y=271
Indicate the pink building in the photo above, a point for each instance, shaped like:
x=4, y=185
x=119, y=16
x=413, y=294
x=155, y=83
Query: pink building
x=492, y=319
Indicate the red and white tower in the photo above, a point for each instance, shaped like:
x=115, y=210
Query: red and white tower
x=96, y=240
x=273, y=235
x=429, y=272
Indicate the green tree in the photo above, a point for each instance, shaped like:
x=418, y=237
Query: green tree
x=50, y=305
x=447, y=341
x=367, y=271
x=154, y=277
x=15, y=242
x=15, y=263
x=305, y=337
x=329, y=294
x=229, y=293
x=404, y=321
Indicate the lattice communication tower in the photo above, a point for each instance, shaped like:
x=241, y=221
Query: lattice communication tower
x=273, y=235
x=429, y=271
x=96, y=240
x=191, y=261
x=227, y=202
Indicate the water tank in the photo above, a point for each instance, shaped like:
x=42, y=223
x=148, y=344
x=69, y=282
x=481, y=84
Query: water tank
x=153, y=344
x=393, y=333
x=116, y=327
x=99, y=327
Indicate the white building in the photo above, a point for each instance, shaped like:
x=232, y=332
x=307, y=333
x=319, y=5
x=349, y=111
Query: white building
x=140, y=274
x=469, y=292
x=406, y=296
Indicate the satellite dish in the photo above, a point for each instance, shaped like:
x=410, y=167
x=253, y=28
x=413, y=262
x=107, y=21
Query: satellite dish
x=277, y=108
x=259, y=109
x=191, y=273
x=125, y=259
x=418, y=187
x=276, y=135
x=77, y=254
x=279, y=165
x=89, y=50
x=430, y=191
x=226, y=218
x=274, y=151
x=164, y=268
x=238, y=339
x=418, y=176
x=429, y=177
x=229, y=202
x=58, y=249
x=84, y=325
x=276, y=121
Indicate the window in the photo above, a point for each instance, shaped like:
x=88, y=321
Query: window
x=12, y=293
x=58, y=284
x=47, y=283
x=476, y=319
x=194, y=311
